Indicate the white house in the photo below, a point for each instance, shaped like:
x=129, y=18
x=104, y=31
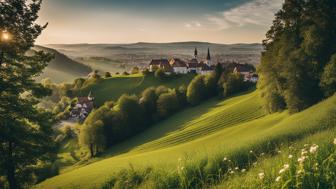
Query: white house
x=179, y=66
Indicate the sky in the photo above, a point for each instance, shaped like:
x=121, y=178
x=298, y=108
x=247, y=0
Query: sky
x=130, y=21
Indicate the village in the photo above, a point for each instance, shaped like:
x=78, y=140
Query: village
x=85, y=104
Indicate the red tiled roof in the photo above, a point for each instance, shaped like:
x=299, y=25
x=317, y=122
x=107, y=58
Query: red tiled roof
x=176, y=62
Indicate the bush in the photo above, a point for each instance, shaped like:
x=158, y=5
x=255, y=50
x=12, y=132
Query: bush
x=196, y=91
x=92, y=136
x=146, y=72
x=167, y=104
x=148, y=101
x=107, y=75
x=160, y=74
x=125, y=73
x=233, y=84
x=135, y=70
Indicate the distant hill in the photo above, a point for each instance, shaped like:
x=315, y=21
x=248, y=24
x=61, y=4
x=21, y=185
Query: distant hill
x=125, y=56
x=62, y=68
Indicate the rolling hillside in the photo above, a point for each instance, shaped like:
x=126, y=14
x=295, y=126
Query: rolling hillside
x=113, y=88
x=62, y=68
x=214, y=129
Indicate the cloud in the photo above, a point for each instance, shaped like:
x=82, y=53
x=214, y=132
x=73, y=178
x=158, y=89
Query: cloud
x=193, y=25
x=257, y=12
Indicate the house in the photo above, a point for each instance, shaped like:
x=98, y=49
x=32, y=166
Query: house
x=82, y=108
x=178, y=66
x=249, y=75
x=158, y=63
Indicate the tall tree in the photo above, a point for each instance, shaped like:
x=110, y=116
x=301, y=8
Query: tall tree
x=297, y=47
x=25, y=131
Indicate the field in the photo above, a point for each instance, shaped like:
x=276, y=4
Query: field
x=200, y=137
x=113, y=88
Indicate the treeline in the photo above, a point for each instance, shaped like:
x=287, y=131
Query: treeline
x=298, y=67
x=117, y=121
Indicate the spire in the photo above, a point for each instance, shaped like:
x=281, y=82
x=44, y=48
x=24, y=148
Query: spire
x=195, y=53
x=208, y=56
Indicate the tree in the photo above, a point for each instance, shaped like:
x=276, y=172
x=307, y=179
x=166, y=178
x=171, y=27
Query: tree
x=196, y=91
x=328, y=81
x=92, y=136
x=297, y=47
x=148, y=101
x=107, y=75
x=167, y=104
x=25, y=131
x=160, y=74
x=233, y=84
x=135, y=70
x=210, y=82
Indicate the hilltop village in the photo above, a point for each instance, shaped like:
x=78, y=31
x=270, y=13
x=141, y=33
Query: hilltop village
x=197, y=66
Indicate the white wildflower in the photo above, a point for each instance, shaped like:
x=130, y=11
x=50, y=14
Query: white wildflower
x=282, y=171
x=251, y=151
x=302, y=159
x=182, y=168
x=313, y=149
x=236, y=168
x=304, y=152
x=279, y=151
x=290, y=156
x=225, y=159
x=278, y=179
x=334, y=141
x=231, y=172
x=261, y=176
x=243, y=170
x=286, y=166
x=262, y=154
x=306, y=145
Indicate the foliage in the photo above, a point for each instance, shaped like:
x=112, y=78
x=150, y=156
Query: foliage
x=196, y=91
x=92, y=136
x=297, y=48
x=167, y=104
x=26, y=134
x=107, y=75
x=328, y=80
x=233, y=84
x=135, y=70
x=160, y=74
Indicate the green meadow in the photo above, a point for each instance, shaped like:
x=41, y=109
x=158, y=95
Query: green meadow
x=196, y=140
x=113, y=88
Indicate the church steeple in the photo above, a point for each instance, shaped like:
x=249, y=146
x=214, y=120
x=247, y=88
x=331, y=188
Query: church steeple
x=208, y=55
x=195, y=53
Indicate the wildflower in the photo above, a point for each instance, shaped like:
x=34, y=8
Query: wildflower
x=236, y=168
x=301, y=159
x=243, y=170
x=300, y=171
x=334, y=141
x=231, y=172
x=290, y=156
x=282, y=171
x=262, y=154
x=313, y=149
x=278, y=179
x=286, y=166
x=306, y=145
x=182, y=168
x=225, y=159
x=261, y=176
x=279, y=151
x=251, y=151
x=304, y=152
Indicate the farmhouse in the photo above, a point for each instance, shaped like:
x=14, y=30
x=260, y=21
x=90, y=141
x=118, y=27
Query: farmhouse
x=83, y=107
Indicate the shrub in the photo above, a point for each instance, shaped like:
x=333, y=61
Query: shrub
x=146, y=72
x=160, y=74
x=107, y=75
x=233, y=84
x=196, y=90
x=148, y=101
x=135, y=70
x=167, y=104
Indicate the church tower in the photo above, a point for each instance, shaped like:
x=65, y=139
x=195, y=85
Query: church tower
x=208, y=58
x=195, y=53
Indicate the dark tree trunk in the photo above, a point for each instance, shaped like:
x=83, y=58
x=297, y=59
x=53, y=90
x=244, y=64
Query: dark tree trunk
x=91, y=150
x=10, y=172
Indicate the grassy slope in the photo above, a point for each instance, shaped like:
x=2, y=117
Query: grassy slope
x=113, y=88
x=214, y=127
x=62, y=68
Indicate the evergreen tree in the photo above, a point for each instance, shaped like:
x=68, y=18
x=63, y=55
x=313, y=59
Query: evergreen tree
x=25, y=131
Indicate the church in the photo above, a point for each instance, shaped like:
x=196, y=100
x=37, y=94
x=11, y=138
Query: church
x=178, y=66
